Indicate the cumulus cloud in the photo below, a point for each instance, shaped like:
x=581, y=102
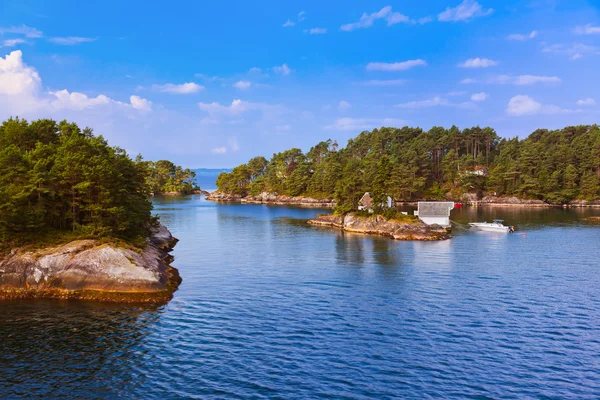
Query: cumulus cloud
x=289, y=23
x=316, y=31
x=242, y=85
x=282, y=69
x=21, y=91
x=522, y=105
x=16, y=77
x=367, y=20
x=587, y=30
x=77, y=101
x=522, y=37
x=397, y=66
x=425, y=20
x=586, y=102
x=465, y=11
x=71, y=40
x=363, y=124
x=24, y=30
x=140, y=103
x=344, y=105
x=12, y=42
x=184, y=88
x=478, y=63
x=482, y=96
x=238, y=107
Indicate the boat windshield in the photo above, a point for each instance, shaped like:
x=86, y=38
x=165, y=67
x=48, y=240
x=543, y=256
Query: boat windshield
x=499, y=221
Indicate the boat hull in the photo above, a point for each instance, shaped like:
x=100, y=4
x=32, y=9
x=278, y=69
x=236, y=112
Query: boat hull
x=490, y=227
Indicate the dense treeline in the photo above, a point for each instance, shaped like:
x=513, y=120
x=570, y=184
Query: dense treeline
x=56, y=178
x=409, y=163
x=164, y=176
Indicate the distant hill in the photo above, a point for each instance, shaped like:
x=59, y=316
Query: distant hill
x=206, y=178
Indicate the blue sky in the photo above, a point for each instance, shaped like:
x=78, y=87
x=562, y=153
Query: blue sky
x=212, y=84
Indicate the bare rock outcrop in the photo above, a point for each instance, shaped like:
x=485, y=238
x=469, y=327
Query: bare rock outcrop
x=92, y=270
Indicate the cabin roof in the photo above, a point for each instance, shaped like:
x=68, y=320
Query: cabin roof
x=435, y=208
x=366, y=200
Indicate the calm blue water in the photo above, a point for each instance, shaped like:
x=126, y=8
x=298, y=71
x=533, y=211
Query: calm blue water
x=272, y=308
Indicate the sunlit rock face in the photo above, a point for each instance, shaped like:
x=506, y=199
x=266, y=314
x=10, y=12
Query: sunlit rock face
x=88, y=269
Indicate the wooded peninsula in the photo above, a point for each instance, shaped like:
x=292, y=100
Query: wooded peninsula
x=60, y=182
x=555, y=166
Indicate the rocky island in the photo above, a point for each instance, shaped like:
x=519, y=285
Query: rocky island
x=408, y=228
x=93, y=270
x=272, y=198
x=75, y=217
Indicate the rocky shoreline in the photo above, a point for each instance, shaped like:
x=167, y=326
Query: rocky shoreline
x=92, y=270
x=168, y=194
x=272, y=198
x=379, y=225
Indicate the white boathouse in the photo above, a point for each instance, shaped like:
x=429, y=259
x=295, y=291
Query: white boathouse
x=435, y=212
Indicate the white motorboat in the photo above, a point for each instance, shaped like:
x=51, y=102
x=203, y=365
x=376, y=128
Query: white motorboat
x=496, y=225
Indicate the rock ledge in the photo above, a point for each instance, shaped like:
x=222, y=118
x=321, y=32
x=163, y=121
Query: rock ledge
x=379, y=225
x=91, y=270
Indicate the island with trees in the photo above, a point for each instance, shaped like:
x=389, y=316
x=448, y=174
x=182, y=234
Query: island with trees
x=473, y=166
x=551, y=167
x=75, y=217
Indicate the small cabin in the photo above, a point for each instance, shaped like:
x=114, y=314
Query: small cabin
x=479, y=170
x=435, y=212
x=366, y=203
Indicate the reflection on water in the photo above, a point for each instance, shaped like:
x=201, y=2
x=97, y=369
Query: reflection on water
x=271, y=307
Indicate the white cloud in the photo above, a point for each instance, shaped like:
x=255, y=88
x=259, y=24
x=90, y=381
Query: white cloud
x=362, y=124
x=586, y=102
x=21, y=92
x=478, y=63
x=12, y=42
x=524, y=80
x=140, y=103
x=282, y=69
x=522, y=105
x=71, y=40
x=242, y=85
x=573, y=51
x=482, y=96
x=367, y=20
x=436, y=101
x=238, y=107
x=233, y=143
x=425, y=20
x=184, y=88
x=517, y=80
x=384, y=82
x=301, y=15
x=397, y=66
x=16, y=78
x=344, y=105
x=63, y=99
x=522, y=37
x=465, y=11
x=22, y=30
x=587, y=30
x=219, y=150
x=316, y=31
x=289, y=23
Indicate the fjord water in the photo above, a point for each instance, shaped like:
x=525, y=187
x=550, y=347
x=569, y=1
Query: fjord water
x=271, y=307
